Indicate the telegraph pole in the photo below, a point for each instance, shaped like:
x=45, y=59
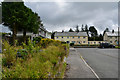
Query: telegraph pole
x=118, y=37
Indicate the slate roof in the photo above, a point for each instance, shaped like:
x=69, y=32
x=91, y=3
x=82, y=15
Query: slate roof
x=70, y=34
x=112, y=34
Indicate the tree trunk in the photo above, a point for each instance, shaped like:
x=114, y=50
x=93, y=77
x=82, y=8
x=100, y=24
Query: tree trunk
x=24, y=35
x=14, y=34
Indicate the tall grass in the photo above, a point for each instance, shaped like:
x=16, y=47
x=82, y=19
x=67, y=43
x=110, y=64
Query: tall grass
x=44, y=60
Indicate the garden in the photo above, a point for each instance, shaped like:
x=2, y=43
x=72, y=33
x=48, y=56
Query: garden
x=44, y=59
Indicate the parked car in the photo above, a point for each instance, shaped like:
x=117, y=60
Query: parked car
x=106, y=45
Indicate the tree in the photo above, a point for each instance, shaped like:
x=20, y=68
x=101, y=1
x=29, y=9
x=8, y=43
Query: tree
x=113, y=31
x=10, y=16
x=93, y=31
x=100, y=37
x=31, y=23
x=20, y=18
x=82, y=28
x=77, y=29
x=86, y=29
x=106, y=30
x=71, y=30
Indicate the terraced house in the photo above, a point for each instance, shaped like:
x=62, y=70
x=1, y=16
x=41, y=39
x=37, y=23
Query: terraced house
x=72, y=37
x=111, y=37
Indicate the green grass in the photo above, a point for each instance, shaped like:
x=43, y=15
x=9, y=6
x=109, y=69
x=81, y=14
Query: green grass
x=117, y=47
x=38, y=64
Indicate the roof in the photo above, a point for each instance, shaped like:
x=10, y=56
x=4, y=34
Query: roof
x=70, y=34
x=112, y=34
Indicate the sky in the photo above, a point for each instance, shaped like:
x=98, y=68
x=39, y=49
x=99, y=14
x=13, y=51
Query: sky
x=58, y=16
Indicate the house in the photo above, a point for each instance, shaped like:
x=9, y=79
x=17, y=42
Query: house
x=111, y=37
x=72, y=37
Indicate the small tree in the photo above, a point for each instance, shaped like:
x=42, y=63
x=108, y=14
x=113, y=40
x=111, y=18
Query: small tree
x=71, y=30
x=77, y=29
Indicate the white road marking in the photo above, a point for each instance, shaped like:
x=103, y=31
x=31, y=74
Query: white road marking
x=90, y=68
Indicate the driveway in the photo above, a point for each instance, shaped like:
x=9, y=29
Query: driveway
x=103, y=61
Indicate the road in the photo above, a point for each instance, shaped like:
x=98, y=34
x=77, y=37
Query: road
x=103, y=61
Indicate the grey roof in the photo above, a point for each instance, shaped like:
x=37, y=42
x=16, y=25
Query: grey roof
x=70, y=34
x=112, y=34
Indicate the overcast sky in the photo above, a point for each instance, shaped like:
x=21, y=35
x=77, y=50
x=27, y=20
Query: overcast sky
x=58, y=16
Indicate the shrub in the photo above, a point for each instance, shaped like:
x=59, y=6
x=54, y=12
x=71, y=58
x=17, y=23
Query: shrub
x=71, y=44
x=47, y=63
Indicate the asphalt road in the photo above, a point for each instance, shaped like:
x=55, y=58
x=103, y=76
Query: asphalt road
x=103, y=61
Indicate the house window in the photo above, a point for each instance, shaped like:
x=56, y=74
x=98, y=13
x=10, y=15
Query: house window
x=68, y=41
x=88, y=42
x=110, y=37
x=84, y=37
x=78, y=36
x=73, y=41
x=72, y=37
x=94, y=42
x=83, y=41
x=67, y=37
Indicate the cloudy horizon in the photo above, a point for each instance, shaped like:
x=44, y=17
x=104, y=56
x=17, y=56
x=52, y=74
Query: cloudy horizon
x=58, y=16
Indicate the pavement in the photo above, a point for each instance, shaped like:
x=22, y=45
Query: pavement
x=103, y=61
x=77, y=67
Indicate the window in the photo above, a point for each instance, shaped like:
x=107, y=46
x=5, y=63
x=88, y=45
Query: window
x=88, y=42
x=62, y=36
x=73, y=41
x=94, y=42
x=110, y=41
x=78, y=36
x=84, y=37
x=110, y=37
x=72, y=37
x=83, y=41
x=68, y=41
x=67, y=37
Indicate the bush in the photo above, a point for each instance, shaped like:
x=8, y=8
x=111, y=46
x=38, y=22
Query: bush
x=45, y=63
x=71, y=44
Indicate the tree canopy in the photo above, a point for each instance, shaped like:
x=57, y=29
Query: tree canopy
x=18, y=17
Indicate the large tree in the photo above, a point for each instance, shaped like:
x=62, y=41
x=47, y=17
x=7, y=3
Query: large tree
x=10, y=16
x=20, y=18
x=31, y=22
x=93, y=31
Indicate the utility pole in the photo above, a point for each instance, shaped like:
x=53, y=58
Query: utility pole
x=118, y=37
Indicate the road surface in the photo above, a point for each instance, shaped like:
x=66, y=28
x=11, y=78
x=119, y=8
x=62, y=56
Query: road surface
x=103, y=61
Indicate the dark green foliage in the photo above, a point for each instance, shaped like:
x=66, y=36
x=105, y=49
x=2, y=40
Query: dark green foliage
x=46, y=63
x=71, y=44
x=71, y=30
x=93, y=31
x=77, y=29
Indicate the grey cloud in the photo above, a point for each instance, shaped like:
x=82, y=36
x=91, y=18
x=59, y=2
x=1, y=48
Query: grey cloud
x=58, y=17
